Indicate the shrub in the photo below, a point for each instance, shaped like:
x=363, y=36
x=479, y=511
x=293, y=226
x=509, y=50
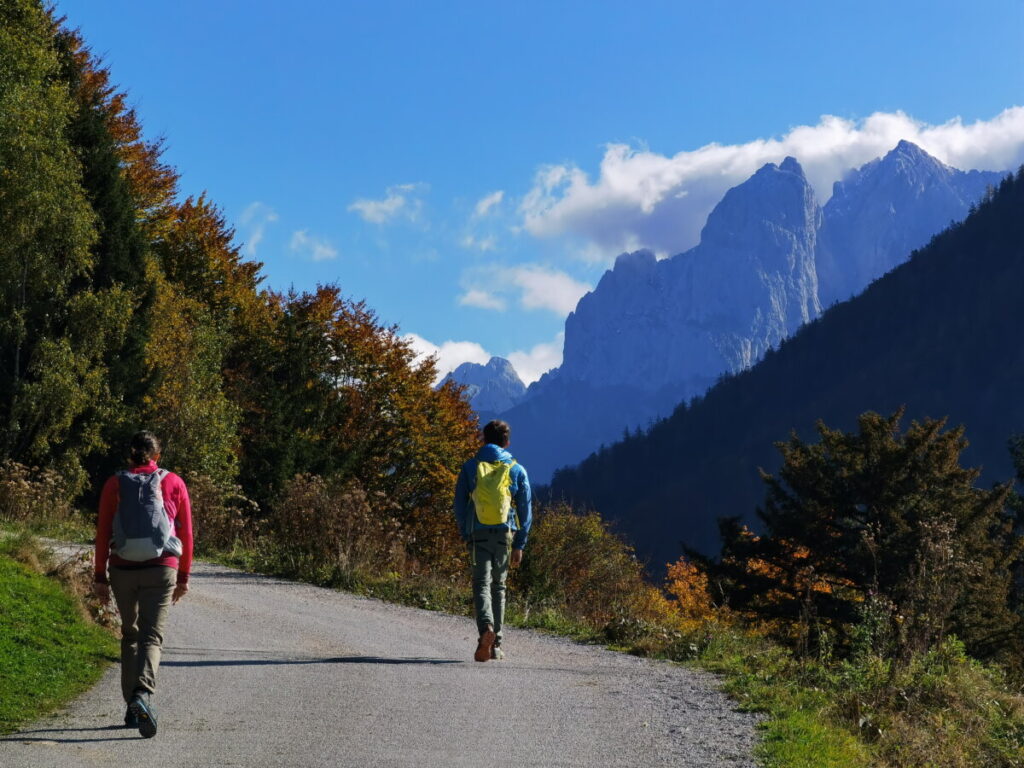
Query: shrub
x=31, y=495
x=578, y=565
x=327, y=531
x=222, y=516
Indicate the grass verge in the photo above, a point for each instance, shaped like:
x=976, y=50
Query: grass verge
x=50, y=651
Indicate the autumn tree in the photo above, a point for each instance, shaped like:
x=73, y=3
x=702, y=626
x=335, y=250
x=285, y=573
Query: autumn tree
x=330, y=390
x=881, y=518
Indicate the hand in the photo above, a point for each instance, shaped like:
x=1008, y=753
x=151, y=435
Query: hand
x=517, y=557
x=179, y=592
x=102, y=591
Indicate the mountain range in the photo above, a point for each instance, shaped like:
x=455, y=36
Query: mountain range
x=654, y=333
x=940, y=334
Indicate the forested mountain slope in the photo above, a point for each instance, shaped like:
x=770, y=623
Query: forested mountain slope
x=942, y=334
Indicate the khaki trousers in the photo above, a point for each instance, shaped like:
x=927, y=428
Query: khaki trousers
x=143, y=596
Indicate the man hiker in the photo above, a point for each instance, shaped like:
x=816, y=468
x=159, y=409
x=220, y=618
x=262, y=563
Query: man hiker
x=144, y=532
x=492, y=510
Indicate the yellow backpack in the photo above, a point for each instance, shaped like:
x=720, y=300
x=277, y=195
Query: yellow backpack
x=492, y=496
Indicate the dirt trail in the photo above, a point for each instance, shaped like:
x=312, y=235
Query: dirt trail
x=265, y=672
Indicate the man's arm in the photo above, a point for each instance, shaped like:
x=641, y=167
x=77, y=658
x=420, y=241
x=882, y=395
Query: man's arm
x=524, y=512
x=461, y=503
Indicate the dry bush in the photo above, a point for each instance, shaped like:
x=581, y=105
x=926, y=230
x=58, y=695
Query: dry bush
x=31, y=495
x=328, y=530
x=222, y=516
x=580, y=567
x=434, y=545
x=75, y=572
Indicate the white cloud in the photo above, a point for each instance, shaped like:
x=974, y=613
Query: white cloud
x=534, y=286
x=547, y=289
x=474, y=297
x=400, y=201
x=530, y=364
x=534, y=363
x=450, y=355
x=485, y=244
x=255, y=218
x=318, y=249
x=485, y=204
x=641, y=198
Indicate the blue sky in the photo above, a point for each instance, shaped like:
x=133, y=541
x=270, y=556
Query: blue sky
x=470, y=168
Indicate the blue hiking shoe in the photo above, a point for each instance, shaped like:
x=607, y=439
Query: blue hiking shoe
x=130, y=720
x=144, y=713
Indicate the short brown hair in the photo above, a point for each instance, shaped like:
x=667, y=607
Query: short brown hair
x=497, y=432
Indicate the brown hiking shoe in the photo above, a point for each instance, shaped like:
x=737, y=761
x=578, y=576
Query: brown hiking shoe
x=483, y=648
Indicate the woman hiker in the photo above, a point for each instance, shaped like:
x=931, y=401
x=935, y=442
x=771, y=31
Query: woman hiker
x=144, y=534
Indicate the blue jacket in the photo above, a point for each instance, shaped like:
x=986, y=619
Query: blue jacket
x=465, y=515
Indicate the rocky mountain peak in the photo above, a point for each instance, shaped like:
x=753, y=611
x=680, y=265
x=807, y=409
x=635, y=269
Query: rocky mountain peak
x=885, y=209
x=490, y=388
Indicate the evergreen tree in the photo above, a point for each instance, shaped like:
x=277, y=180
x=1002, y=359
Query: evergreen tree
x=880, y=518
x=53, y=325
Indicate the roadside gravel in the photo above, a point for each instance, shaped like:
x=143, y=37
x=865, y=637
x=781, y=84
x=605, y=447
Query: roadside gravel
x=265, y=672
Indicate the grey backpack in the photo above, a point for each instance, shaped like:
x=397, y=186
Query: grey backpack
x=142, y=530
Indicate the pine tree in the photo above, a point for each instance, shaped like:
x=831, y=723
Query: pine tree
x=884, y=518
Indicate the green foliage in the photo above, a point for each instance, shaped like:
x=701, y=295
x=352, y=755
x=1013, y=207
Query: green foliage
x=48, y=230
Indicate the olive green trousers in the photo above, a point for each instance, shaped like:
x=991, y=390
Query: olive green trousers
x=490, y=550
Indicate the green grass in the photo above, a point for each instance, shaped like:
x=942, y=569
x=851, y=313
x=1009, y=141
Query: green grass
x=800, y=731
x=49, y=652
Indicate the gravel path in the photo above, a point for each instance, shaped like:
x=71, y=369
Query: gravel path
x=265, y=672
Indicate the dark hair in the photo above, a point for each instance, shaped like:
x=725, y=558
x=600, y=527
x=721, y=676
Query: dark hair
x=497, y=432
x=144, y=446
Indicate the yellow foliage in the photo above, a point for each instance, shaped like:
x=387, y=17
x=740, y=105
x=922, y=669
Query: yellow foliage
x=688, y=584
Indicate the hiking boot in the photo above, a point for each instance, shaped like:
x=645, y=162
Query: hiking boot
x=496, y=653
x=144, y=713
x=483, y=648
x=130, y=720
